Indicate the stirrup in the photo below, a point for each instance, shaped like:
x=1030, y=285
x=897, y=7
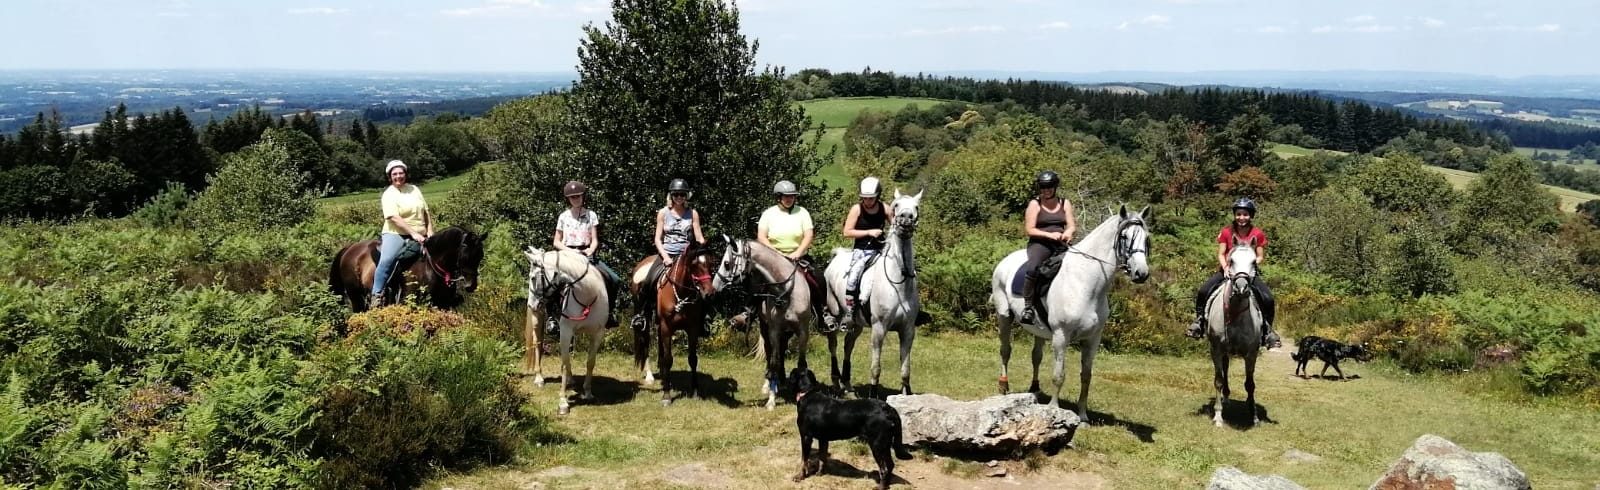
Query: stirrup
x=1028, y=315
x=552, y=326
x=1196, y=329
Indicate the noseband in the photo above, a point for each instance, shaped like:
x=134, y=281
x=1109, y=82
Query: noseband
x=450, y=279
x=1126, y=248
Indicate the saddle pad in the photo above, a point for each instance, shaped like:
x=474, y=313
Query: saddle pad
x=1016, y=281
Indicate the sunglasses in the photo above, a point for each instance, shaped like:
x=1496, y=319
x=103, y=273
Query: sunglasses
x=679, y=194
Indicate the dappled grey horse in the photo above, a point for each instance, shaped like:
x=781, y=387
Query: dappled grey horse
x=1077, y=304
x=785, y=302
x=564, y=283
x=1233, y=320
x=889, y=289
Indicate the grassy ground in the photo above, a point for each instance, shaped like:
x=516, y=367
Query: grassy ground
x=1588, y=163
x=839, y=112
x=1288, y=151
x=435, y=190
x=1151, y=429
x=1570, y=199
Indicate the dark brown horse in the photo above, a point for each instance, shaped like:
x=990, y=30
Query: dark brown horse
x=682, y=296
x=449, y=265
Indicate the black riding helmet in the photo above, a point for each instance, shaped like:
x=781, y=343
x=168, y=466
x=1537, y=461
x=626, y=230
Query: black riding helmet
x=679, y=185
x=1047, y=180
x=1246, y=204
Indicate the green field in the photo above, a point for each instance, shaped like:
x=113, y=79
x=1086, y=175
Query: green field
x=839, y=112
x=1288, y=151
x=1570, y=199
x=435, y=191
x=1588, y=163
x=1150, y=428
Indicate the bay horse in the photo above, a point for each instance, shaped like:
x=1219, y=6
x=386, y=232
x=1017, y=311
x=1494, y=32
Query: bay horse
x=448, y=267
x=785, y=302
x=889, y=291
x=564, y=283
x=1077, y=304
x=1233, y=325
x=682, y=295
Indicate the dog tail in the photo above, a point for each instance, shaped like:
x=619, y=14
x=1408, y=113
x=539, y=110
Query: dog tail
x=901, y=450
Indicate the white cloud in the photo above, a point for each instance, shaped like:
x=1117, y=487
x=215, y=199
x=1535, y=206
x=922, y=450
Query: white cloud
x=504, y=7
x=317, y=11
x=1322, y=29
x=1432, y=22
x=954, y=30
x=1362, y=19
x=1271, y=30
x=1057, y=25
x=1548, y=27
x=1372, y=28
x=1517, y=28
x=1157, y=20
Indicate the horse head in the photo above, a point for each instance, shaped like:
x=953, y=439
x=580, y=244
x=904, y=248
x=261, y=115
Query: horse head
x=541, y=280
x=456, y=253
x=735, y=266
x=1242, y=265
x=694, y=267
x=1133, y=243
x=906, y=213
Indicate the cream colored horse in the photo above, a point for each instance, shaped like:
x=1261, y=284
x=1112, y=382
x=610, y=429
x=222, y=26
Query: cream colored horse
x=566, y=284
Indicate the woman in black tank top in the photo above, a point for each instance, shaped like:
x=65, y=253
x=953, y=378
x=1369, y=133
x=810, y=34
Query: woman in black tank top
x=1049, y=225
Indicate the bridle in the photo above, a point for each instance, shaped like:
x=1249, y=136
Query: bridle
x=1126, y=248
x=450, y=279
x=905, y=225
x=553, y=287
x=779, y=295
x=680, y=300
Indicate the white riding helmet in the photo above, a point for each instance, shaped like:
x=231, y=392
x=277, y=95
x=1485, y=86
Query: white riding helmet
x=870, y=187
x=392, y=164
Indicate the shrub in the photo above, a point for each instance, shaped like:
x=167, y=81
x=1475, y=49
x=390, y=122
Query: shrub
x=256, y=189
x=166, y=208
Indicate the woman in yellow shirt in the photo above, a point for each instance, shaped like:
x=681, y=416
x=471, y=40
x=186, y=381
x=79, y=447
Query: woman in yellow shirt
x=405, y=217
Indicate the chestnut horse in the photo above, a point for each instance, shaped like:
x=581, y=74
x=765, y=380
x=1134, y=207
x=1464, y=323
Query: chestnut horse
x=449, y=265
x=682, y=296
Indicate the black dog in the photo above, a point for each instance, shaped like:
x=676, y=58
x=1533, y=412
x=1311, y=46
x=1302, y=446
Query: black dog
x=825, y=418
x=1329, y=351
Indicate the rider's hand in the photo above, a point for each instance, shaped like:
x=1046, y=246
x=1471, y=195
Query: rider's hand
x=418, y=237
x=667, y=261
x=875, y=233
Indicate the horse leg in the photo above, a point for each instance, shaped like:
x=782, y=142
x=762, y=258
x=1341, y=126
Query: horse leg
x=594, y=350
x=1219, y=365
x=694, y=364
x=1005, y=352
x=878, y=332
x=1250, y=386
x=833, y=360
x=532, y=357
x=641, y=354
x=1038, y=357
x=664, y=361
x=1090, y=348
x=566, y=369
x=908, y=335
x=849, y=351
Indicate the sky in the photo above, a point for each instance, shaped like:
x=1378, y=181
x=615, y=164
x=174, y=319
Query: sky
x=1491, y=37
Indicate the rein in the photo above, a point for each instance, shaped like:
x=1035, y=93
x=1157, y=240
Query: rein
x=566, y=292
x=449, y=279
x=679, y=300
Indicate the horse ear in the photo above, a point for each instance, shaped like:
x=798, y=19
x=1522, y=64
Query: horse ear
x=1145, y=213
x=918, y=198
x=1122, y=211
x=897, y=194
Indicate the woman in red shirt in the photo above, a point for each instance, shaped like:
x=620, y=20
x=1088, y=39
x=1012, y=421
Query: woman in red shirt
x=1244, y=210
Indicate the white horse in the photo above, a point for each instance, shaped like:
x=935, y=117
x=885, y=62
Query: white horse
x=564, y=283
x=785, y=302
x=1077, y=305
x=1233, y=324
x=888, y=297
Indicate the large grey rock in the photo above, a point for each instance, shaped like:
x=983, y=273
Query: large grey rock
x=1230, y=478
x=1436, y=463
x=1008, y=423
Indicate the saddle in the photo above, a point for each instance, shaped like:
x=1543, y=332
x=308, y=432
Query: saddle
x=410, y=251
x=1047, y=270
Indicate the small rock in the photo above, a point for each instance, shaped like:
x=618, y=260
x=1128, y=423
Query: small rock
x=558, y=472
x=1435, y=462
x=1298, y=456
x=995, y=471
x=1007, y=423
x=1230, y=478
x=992, y=463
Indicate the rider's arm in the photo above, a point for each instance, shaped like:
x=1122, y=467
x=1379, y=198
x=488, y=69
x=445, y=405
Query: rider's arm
x=557, y=241
x=1072, y=222
x=1222, y=256
x=805, y=237
x=594, y=240
x=761, y=232
x=1261, y=253
x=699, y=238
x=850, y=218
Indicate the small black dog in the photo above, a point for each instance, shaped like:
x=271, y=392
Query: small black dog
x=825, y=418
x=1330, y=352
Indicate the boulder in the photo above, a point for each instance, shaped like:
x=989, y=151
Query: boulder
x=1230, y=478
x=1436, y=463
x=1010, y=424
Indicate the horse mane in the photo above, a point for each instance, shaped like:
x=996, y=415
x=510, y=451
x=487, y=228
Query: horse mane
x=568, y=262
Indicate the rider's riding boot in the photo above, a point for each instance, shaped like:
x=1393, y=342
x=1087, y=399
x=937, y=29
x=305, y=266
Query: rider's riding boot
x=1030, y=298
x=375, y=301
x=551, y=325
x=1196, y=328
x=1270, y=338
x=741, y=320
x=611, y=297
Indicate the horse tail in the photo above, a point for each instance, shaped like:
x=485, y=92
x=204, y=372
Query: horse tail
x=760, y=352
x=333, y=274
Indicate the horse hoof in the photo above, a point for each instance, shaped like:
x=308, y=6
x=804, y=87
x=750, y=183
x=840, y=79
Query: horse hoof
x=538, y=381
x=563, y=410
x=771, y=405
x=1005, y=387
x=666, y=402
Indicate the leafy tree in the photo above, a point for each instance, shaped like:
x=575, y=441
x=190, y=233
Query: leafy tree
x=1591, y=209
x=1336, y=231
x=1418, y=263
x=1505, y=204
x=1248, y=181
x=524, y=127
x=1399, y=182
x=256, y=189
x=670, y=89
x=1243, y=142
x=307, y=158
